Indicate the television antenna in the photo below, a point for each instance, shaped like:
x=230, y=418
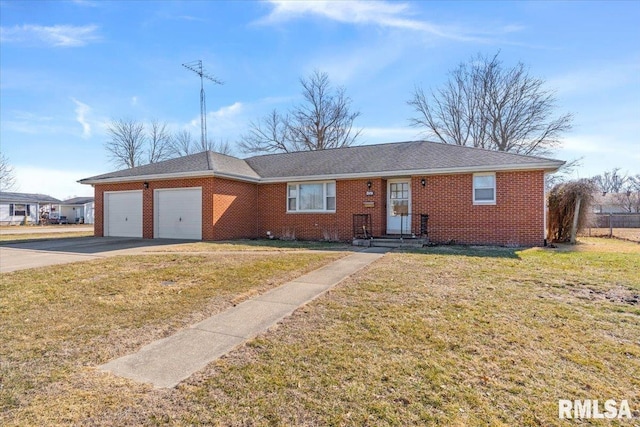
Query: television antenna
x=196, y=67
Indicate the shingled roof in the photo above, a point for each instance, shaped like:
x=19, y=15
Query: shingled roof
x=393, y=159
x=206, y=163
x=77, y=201
x=7, y=197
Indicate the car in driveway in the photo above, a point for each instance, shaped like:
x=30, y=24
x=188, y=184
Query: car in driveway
x=58, y=220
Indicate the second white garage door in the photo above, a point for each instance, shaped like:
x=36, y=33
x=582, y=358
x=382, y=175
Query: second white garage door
x=178, y=213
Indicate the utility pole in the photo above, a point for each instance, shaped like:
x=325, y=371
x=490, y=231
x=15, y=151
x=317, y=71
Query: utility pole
x=196, y=67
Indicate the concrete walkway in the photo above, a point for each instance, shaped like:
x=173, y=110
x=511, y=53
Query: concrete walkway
x=167, y=362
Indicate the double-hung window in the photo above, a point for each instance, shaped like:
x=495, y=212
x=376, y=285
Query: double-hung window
x=311, y=197
x=16, y=209
x=484, y=188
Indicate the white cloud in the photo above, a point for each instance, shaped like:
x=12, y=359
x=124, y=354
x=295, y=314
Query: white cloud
x=384, y=14
x=30, y=123
x=599, y=78
x=81, y=112
x=60, y=184
x=232, y=110
x=599, y=153
x=56, y=35
x=134, y=101
x=358, y=62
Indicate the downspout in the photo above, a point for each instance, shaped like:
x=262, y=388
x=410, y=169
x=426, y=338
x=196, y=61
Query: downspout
x=545, y=209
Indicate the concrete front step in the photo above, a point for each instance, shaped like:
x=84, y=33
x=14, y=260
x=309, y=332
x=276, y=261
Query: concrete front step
x=391, y=242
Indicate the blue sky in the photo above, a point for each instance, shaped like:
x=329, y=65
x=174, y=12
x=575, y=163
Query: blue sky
x=68, y=68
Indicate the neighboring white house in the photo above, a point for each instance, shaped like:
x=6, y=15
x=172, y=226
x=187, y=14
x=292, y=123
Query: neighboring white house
x=74, y=211
x=16, y=207
x=89, y=207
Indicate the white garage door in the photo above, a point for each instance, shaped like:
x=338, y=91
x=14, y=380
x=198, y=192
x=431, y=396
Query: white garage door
x=123, y=213
x=178, y=213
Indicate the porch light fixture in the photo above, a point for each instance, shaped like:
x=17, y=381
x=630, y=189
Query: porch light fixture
x=423, y=182
x=146, y=185
x=369, y=184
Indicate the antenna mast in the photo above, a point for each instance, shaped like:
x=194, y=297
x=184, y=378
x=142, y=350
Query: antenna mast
x=196, y=67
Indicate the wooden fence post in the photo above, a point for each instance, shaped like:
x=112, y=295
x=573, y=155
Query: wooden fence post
x=574, y=227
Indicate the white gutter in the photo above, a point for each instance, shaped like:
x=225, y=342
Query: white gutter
x=167, y=176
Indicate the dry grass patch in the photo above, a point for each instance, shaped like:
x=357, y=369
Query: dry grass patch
x=632, y=234
x=59, y=320
x=258, y=245
x=447, y=336
x=452, y=336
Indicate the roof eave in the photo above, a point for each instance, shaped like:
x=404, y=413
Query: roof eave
x=166, y=176
x=551, y=166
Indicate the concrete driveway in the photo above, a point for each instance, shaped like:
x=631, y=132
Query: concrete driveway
x=33, y=254
x=4, y=231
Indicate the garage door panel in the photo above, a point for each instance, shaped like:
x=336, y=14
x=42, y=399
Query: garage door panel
x=178, y=213
x=123, y=214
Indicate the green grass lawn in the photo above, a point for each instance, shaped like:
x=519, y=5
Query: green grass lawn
x=450, y=336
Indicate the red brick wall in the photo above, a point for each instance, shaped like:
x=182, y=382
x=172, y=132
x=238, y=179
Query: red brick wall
x=517, y=218
x=350, y=198
x=208, y=219
x=234, y=209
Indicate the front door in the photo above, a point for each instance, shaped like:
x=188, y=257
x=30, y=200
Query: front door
x=398, y=206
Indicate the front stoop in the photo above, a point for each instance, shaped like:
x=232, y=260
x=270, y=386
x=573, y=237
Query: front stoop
x=392, y=242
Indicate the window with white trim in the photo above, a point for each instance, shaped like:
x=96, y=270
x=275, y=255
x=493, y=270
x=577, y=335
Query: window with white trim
x=311, y=197
x=16, y=209
x=484, y=188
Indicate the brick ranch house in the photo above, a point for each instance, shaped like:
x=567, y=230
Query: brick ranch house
x=471, y=196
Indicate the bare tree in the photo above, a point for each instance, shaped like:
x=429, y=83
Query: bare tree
x=611, y=181
x=182, y=144
x=7, y=175
x=324, y=120
x=159, y=139
x=633, y=192
x=126, y=143
x=624, y=188
x=486, y=105
x=634, y=182
x=563, y=174
x=268, y=135
x=222, y=147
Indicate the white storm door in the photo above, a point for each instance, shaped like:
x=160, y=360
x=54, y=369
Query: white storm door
x=398, y=206
x=123, y=213
x=178, y=213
